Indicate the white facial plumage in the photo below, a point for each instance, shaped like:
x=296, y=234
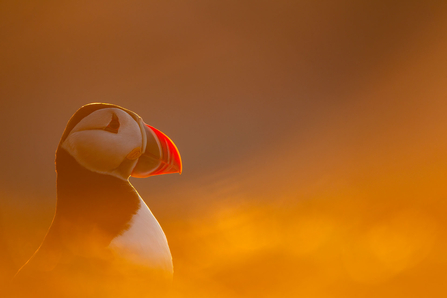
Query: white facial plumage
x=102, y=151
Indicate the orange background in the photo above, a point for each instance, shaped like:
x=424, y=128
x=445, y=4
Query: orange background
x=313, y=135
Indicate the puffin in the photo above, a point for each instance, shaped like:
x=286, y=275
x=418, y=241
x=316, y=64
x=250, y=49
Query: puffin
x=103, y=241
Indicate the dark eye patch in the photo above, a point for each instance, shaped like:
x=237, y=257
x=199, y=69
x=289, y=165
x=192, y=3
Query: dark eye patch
x=114, y=124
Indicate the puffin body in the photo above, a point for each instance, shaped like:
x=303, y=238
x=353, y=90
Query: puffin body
x=103, y=233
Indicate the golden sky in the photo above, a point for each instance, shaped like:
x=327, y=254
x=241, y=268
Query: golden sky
x=312, y=134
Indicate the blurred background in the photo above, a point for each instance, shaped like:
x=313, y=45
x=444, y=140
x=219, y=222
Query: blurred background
x=313, y=135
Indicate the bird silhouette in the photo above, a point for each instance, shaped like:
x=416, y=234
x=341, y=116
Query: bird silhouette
x=104, y=241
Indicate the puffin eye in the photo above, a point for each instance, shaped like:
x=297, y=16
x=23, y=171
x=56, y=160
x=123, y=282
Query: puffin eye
x=114, y=125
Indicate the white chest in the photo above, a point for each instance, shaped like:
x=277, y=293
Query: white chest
x=144, y=243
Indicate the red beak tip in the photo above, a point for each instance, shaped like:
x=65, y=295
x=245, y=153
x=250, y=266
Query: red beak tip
x=170, y=160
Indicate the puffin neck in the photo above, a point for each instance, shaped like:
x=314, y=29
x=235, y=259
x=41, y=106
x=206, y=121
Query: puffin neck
x=93, y=199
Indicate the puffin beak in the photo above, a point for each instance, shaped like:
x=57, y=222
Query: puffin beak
x=159, y=157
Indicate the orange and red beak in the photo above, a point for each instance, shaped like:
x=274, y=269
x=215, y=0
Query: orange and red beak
x=161, y=156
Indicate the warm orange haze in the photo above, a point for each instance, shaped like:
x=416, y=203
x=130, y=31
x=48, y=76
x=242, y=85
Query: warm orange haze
x=312, y=135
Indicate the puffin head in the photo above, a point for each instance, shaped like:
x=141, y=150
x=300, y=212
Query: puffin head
x=112, y=140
